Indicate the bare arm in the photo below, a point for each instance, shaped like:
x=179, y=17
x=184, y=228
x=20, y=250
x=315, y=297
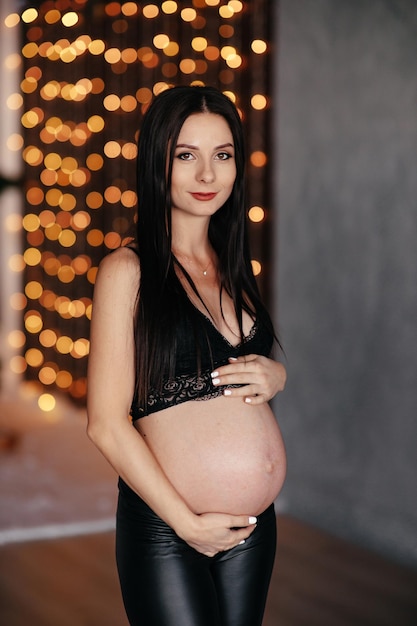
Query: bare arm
x=111, y=379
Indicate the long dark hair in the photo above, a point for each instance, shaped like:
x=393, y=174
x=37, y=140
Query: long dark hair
x=162, y=300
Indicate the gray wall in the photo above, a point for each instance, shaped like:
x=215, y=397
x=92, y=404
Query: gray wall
x=346, y=266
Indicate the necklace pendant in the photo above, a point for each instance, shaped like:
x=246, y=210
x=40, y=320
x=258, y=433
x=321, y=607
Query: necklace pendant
x=205, y=273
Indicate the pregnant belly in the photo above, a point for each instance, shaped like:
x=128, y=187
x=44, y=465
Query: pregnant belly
x=221, y=455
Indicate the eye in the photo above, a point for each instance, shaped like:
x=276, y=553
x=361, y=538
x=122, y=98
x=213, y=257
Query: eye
x=223, y=156
x=185, y=156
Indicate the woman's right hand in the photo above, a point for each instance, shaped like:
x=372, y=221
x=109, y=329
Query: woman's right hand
x=217, y=532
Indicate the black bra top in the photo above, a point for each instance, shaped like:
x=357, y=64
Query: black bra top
x=215, y=350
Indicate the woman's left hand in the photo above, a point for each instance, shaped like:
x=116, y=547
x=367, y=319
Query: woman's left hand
x=262, y=378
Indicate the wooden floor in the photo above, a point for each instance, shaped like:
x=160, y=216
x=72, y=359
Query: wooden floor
x=318, y=581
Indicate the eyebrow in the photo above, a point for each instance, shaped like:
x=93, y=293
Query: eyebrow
x=191, y=147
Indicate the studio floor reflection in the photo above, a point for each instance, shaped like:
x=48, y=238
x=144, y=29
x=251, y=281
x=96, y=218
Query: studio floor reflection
x=57, y=541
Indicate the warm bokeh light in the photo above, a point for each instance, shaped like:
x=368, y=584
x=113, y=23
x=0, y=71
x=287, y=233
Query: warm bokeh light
x=226, y=12
x=46, y=402
x=18, y=365
x=129, y=8
x=235, y=5
x=96, y=47
x=169, y=7
x=47, y=375
x=70, y=18
x=12, y=20
x=16, y=339
x=259, y=102
x=88, y=72
x=150, y=11
x=256, y=214
x=256, y=267
x=259, y=46
x=258, y=158
x=14, y=142
x=29, y=15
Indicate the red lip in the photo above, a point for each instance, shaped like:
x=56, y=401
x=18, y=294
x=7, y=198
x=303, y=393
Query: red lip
x=204, y=196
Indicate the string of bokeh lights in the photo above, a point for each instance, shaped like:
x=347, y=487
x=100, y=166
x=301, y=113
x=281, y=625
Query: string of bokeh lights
x=82, y=96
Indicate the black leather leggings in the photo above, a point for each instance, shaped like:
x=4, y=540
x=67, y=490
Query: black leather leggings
x=165, y=582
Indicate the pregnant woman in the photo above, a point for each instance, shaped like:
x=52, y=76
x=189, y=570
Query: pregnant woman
x=180, y=375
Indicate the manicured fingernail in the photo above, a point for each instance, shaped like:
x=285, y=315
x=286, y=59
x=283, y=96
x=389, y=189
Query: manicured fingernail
x=248, y=400
x=232, y=358
x=227, y=392
x=252, y=520
x=214, y=374
x=216, y=381
x=242, y=542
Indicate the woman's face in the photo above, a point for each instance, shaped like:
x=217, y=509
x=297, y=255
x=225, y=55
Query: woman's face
x=204, y=168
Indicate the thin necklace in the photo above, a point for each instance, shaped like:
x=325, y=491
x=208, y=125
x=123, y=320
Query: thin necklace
x=203, y=271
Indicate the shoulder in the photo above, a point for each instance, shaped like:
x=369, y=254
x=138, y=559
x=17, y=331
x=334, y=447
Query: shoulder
x=119, y=274
x=121, y=264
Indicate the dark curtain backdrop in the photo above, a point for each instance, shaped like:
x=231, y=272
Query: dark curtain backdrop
x=90, y=69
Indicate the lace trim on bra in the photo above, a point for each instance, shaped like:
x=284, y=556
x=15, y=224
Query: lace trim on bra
x=185, y=387
x=181, y=389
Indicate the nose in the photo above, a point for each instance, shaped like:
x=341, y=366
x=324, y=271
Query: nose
x=206, y=172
